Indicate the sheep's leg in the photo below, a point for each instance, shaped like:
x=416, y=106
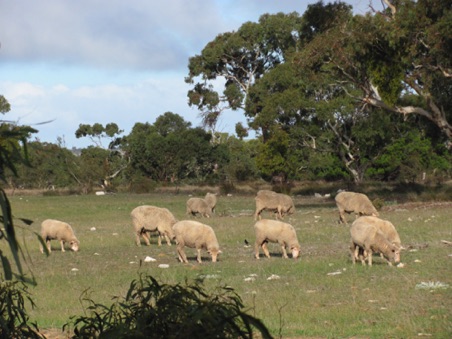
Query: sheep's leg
x=137, y=238
x=353, y=252
x=256, y=250
x=342, y=219
x=369, y=256
x=257, y=214
x=199, y=255
x=146, y=237
x=283, y=247
x=62, y=246
x=265, y=249
x=49, y=247
x=181, y=253
x=280, y=213
x=363, y=257
x=159, y=239
x=168, y=241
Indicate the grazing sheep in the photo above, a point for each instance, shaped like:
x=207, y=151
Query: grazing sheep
x=58, y=230
x=146, y=219
x=271, y=201
x=348, y=202
x=367, y=239
x=194, y=234
x=275, y=231
x=205, y=207
x=388, y=229
x=211, y=200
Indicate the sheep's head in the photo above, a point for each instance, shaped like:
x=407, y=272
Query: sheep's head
x=397, y=254
x=295, y=252
x=74, y=245
x=214, y=253
x=392, y=253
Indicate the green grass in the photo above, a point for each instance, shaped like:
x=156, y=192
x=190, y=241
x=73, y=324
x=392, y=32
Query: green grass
x=305, y=301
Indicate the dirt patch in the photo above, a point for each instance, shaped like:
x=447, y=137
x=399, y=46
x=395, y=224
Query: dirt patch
x=54, y=333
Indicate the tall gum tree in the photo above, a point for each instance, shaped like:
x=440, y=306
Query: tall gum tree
x=239, y=59
x=398, y=59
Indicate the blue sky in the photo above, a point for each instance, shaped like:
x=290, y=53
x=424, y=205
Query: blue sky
x=101, y=61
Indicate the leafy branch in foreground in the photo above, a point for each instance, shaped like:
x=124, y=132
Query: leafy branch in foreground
x=151, y=309
x=14, y=321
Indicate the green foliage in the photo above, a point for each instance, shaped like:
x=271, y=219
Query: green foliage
x=170, y=154
x=240, y=58
x=407, y=158
x=10, y=154
x=170, y=123
x=97, y=131
x=152, y=309
x=273, y=155
x=49, y=167
x=241, y=160
x=388, y=79
x=14, y=320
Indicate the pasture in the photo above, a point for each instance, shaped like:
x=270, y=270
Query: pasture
x=319, y=295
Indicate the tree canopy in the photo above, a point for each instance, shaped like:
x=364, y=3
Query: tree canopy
x=325, y=80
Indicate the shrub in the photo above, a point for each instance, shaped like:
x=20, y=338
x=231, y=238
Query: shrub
x=14, y=322
x=154, y=310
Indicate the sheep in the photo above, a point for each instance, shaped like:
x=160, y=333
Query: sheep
x=367, y=239
x=58, y=230
x=194, y=234
x=358, y=203
x=205, y=207
x=271, y=201
x=275, y=231
x=146, y=219
x=211, y=200
x=388, y=229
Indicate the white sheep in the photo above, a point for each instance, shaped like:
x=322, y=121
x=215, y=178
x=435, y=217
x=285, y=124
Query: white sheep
x=146, y=219
x=211, y=199
x=58, y=230
x=368, y=239
x=388, y=229
x=205, y=207
x=194, y=234
x=278, y=232
x=349, y=202
x=271, y=201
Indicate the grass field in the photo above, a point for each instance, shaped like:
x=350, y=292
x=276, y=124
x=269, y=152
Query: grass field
x=320, y=295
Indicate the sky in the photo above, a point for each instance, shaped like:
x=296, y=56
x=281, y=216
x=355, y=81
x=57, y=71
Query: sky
x=100, y=61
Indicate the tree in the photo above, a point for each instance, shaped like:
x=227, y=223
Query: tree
x=50, y=167
x=115, y=161
x=239, y=59
x=398, y=59
x=171, y=154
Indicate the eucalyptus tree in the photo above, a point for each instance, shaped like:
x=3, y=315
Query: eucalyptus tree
x=114, y=159
x=237, y=60
x=397, y=60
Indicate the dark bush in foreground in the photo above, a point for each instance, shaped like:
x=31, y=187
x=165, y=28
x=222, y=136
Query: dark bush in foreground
x=153, y=310
x=14, y=322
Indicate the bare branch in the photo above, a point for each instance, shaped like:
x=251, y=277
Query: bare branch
x=391, y=6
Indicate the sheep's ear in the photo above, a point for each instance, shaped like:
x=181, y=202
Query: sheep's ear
x=220, y=251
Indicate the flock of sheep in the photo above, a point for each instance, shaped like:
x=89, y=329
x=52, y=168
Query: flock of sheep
x=369, y=234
